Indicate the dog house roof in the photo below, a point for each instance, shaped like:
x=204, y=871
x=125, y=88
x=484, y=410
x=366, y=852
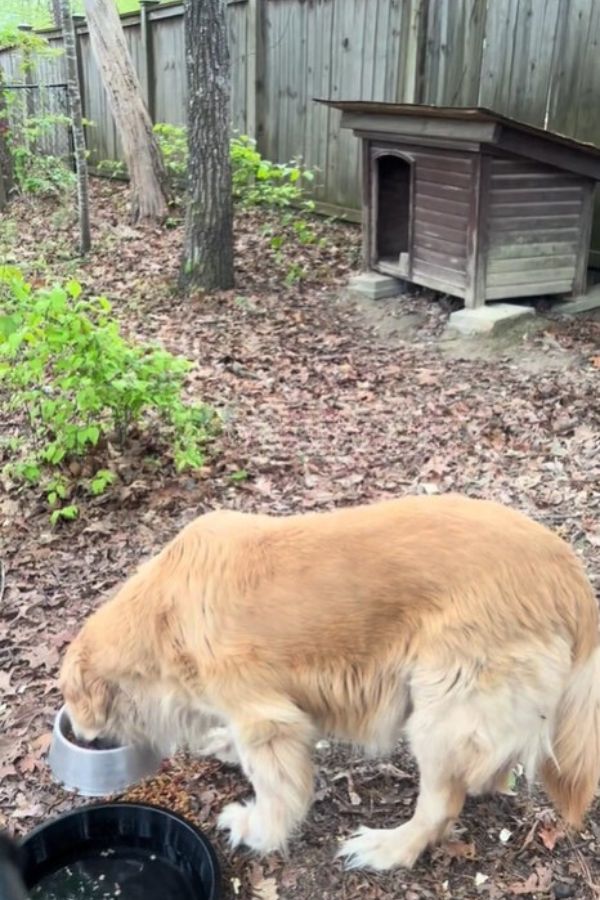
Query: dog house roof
x=476, y=124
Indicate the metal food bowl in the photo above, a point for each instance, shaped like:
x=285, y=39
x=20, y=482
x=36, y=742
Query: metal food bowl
x=97, y=772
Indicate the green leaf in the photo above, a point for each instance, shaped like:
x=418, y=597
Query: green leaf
x=101, y=480
x=92, y=434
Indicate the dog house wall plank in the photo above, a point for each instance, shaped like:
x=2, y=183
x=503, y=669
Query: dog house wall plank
x=551, y=202
x=437, y=178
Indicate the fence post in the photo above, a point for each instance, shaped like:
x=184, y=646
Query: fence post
x=148, y=76
x=255, y=58
x=79, y=20
x=28, y=75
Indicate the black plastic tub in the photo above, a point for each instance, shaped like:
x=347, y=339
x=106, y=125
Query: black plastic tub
x=127, y=851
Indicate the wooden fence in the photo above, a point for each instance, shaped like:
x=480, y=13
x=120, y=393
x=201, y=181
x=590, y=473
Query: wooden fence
x=536, y=60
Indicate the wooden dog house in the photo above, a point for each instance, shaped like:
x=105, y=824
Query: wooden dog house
x=472, y=203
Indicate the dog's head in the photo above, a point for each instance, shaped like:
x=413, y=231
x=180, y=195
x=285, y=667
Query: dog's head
x=88, y=693
x=110, y=698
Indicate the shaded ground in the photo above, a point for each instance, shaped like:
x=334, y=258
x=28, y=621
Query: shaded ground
x=322, y=407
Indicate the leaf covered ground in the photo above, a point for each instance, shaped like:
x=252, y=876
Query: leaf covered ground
x=324, y=402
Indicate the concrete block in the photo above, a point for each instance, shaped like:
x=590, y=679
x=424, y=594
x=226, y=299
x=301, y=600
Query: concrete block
x=487, y=320
x=375, y=286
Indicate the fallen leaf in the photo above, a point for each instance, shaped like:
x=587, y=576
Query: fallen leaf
x=42, y=743
x=538, y=882
x=42, y=656
x=30, y=811
x=266, y=889
x=460, y=850
x=550, y=835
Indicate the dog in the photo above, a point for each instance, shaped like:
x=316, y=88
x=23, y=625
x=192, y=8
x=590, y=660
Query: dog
x=461, y=623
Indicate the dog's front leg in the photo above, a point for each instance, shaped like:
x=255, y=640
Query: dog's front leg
x=274, y=744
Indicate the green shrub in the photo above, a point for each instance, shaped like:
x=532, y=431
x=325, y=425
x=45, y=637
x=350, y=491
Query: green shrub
x=65, y=363
x=172, y=140
x=37, y=173
x=256, y=181
x=43, y=175
x=111, y=168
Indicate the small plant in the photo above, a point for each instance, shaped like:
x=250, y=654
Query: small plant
x=68, y=513
x=304, y=231
x=239, y=476
x=82, y=384
x=101, y=480
x=56, y=489
x=295, y=273
x=37, y=173
x=256, y=181
x=172, y=140
x=42, y=175
x=111, y=168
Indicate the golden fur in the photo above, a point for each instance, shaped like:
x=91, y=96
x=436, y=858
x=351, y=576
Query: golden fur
x=460, y=622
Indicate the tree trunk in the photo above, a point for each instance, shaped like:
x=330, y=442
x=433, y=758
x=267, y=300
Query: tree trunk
x=208, y=248
x=69, y=40
x=7, y=179
x=57, y=12
x=149, y=192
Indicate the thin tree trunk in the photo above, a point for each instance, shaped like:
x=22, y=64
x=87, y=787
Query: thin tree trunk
x=3, y=194
x=148, y=178
x=56, y=12
x=81, y=168
x=208, y=248
x=7, y=178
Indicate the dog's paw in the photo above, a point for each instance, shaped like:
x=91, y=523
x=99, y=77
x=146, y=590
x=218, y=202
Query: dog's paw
x=380, y=849
x=246, y=826
x=236, y=818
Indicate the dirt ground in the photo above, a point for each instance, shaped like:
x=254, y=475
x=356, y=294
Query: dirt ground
x=325, y=401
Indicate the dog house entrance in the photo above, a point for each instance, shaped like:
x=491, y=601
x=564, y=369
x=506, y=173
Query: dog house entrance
x=392, y=212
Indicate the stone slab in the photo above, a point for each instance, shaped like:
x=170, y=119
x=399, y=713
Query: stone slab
x=487, y=320
x=582, y=304
x=375, y=286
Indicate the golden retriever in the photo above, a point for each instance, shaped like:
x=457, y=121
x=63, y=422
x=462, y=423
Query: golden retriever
x=460, y=622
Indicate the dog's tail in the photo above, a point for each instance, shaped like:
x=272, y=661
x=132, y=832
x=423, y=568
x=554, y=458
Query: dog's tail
x=571, y=778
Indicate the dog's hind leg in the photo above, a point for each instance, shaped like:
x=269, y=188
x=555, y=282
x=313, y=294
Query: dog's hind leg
x=441, y=798
x=274, y=743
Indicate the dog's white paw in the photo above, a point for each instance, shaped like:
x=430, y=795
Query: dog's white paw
x=380, y=849
x=236, y=818
x=246, y=826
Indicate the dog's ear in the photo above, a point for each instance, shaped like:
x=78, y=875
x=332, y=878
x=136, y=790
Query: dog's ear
x=87, y=694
